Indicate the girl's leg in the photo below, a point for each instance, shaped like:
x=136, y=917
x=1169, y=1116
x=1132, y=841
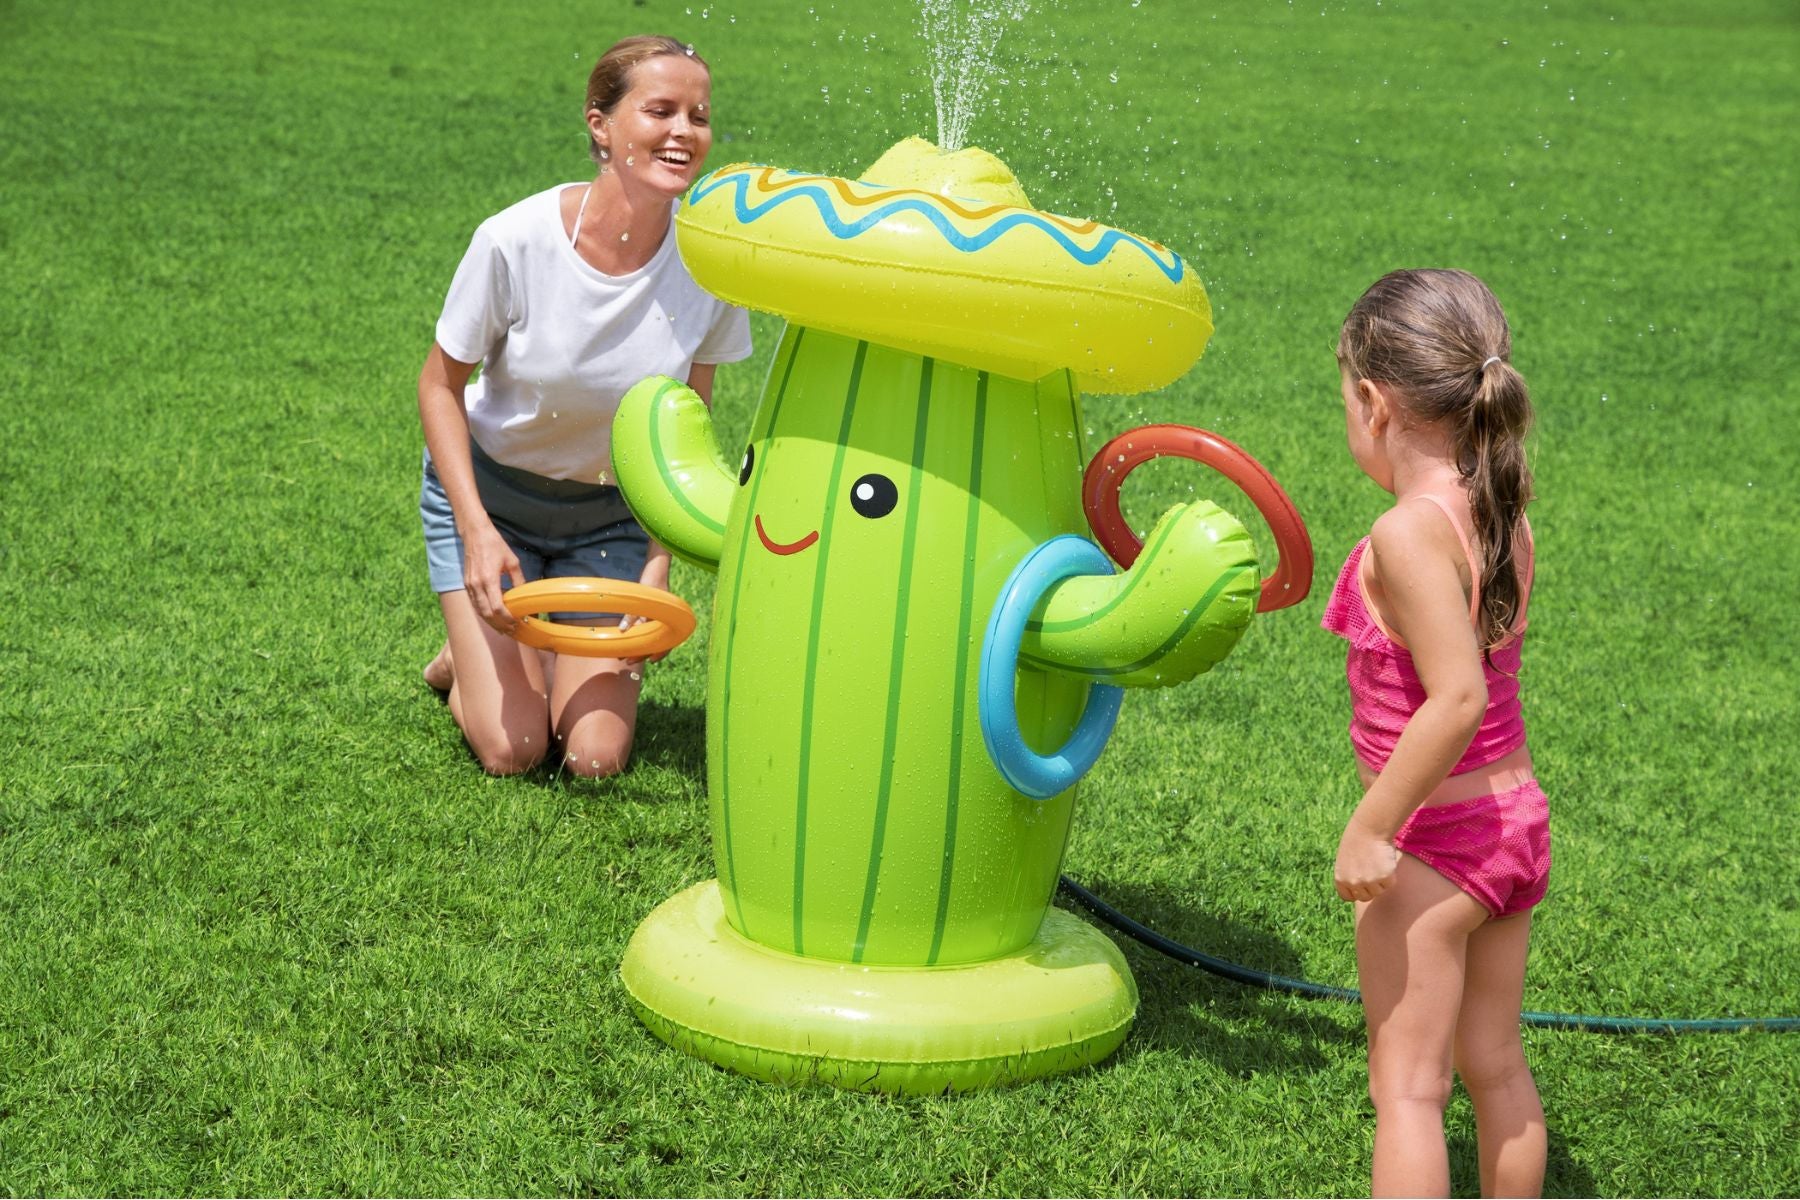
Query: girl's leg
x=1509, y=1120
x=496, y=690
x=593, y=708
x=1410, y=944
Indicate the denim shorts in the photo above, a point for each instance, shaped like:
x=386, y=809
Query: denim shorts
x=559, y=528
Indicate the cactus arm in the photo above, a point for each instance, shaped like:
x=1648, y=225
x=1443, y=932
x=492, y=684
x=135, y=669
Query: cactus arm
x=667, y=462
x=1174, y=615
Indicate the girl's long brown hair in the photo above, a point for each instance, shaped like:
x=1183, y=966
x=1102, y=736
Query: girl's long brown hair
x=1430, y=335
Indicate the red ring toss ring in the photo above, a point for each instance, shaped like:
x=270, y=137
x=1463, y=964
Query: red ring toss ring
x=1292, y=577
x=667, y=620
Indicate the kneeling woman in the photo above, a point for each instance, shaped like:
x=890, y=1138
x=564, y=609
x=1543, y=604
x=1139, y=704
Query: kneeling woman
x=564, y=300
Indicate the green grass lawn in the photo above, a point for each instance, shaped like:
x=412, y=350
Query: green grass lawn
x=268, y=928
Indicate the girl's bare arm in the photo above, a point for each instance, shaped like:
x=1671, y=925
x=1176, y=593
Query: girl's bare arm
x=1415, y=559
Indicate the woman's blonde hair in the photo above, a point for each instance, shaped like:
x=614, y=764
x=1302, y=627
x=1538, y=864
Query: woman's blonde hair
x=1440, y=340
x=611, y=76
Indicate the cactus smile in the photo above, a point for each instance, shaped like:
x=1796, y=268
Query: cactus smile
x=775, y=547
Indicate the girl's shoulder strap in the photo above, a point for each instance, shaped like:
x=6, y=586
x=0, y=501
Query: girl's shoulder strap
x=1468, y=549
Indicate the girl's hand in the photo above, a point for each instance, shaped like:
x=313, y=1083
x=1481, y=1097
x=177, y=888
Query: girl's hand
x=1366, y=863
x=487, y=561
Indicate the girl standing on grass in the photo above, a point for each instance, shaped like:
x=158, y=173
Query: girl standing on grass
x=565, y=300
x=1450, y=847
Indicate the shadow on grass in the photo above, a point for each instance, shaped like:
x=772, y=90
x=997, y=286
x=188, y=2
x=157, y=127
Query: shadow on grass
x=672, y=737
x=668, y=738
x=1247, y=1030
x=1563, y=1176
x=1241, y=1028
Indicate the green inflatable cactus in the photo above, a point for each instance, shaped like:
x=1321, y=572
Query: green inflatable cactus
x=881, y=915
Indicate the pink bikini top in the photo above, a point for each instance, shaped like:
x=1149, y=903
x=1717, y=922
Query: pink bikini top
x=1384, y=685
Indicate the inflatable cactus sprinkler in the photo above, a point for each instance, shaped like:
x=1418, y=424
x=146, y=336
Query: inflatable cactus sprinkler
x=914, y=656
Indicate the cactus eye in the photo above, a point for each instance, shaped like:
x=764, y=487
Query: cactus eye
x=874, y=496
x=744, y=471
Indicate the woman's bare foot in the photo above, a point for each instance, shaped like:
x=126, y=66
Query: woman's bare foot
x=439, y=673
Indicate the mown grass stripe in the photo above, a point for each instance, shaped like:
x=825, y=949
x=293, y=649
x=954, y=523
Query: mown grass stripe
x=1181, y=630
x=671, y=484
x=1132, y=582
x=810, y=679
x=896, y=656
x=737, y=586
x=964, y=622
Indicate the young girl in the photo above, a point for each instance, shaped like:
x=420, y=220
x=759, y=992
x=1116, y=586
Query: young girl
x=1450, y=847
x=564, y=300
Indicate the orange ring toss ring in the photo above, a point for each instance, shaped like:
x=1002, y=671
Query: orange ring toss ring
x=1292, y=577
x=667, y=620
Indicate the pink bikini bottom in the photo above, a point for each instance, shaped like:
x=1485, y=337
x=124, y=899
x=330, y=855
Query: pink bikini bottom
x=1496, y=848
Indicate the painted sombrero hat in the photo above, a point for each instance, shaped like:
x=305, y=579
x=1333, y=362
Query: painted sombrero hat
x=943, y=255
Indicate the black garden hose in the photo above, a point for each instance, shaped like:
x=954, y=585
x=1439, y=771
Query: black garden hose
x=1140, y=932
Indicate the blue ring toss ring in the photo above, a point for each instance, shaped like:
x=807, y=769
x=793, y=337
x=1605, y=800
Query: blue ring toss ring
x=1040, y=776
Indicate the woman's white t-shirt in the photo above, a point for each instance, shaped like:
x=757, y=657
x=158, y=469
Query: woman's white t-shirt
x=559, y=342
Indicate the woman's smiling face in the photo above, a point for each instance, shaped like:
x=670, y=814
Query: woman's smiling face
x=659, y=133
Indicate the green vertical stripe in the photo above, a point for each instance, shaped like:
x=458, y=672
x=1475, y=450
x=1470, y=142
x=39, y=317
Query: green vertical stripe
x=964, y=620
x=896, y=656
x=810, y=678
x=1130, y=585
x=1081, y=448
x=1195, y=612
x=737, y=584
x=671, y=484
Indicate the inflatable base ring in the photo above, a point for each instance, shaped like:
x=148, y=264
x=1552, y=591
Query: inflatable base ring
x=1063, y=1001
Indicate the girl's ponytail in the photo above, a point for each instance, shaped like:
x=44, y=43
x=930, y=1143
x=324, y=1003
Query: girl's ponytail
x=1491, y=456
x=1441, y=339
